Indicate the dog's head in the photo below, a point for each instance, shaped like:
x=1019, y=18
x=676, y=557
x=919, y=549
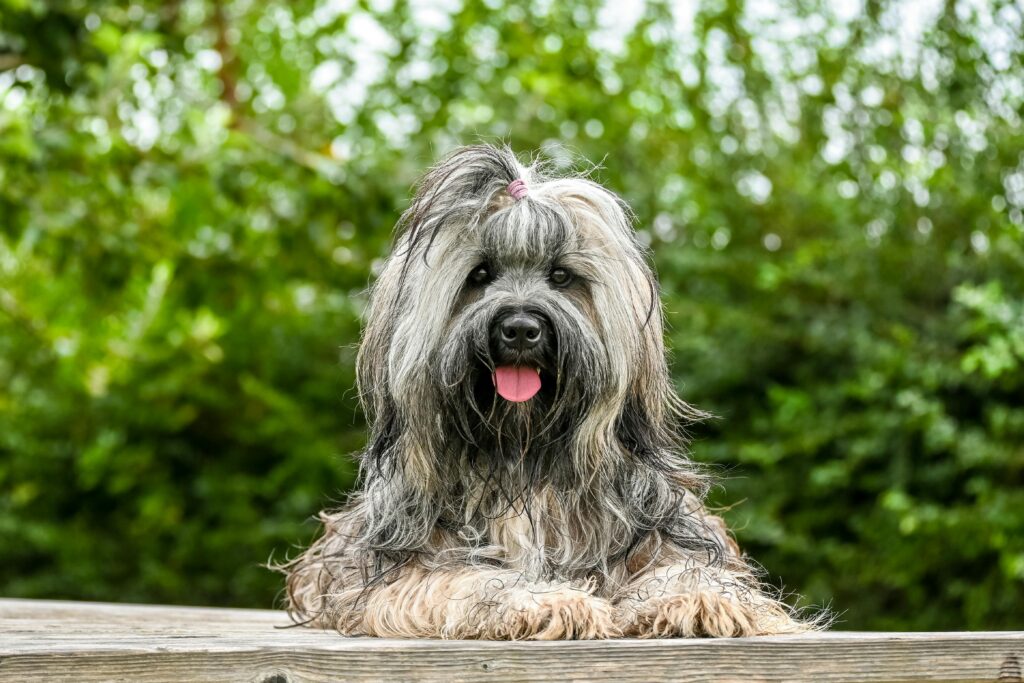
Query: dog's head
x=517, y=317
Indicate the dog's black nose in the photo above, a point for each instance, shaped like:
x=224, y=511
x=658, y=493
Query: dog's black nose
x=521, y=331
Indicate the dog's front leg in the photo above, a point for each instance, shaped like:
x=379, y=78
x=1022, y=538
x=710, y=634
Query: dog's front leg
x=483, y=603
x=690, y=600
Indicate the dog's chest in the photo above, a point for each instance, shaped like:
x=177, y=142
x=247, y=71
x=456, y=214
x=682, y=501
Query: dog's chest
x=533, y=536
x=519, y=538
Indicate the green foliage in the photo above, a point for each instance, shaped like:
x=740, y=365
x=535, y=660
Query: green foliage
x=193, y=196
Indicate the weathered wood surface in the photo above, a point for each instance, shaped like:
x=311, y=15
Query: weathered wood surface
x=65, y=641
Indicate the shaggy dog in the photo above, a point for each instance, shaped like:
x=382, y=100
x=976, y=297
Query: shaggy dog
x=526, y=474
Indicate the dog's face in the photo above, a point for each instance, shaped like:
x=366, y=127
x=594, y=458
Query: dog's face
x=522, y=351
x=504, y=327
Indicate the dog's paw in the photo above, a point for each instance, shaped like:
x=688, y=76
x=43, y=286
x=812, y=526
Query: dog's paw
x=688, y=615
x=557, y=615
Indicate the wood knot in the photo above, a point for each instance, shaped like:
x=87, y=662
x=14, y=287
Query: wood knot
x=1010, y=671
x=275, y=678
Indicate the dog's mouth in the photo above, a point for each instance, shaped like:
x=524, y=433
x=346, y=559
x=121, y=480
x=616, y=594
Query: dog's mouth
x=516, y=383
x=519, y=369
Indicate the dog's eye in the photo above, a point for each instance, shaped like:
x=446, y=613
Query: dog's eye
x=480, y=275
x=560, y=277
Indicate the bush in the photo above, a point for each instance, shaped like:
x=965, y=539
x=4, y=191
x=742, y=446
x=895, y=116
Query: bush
x=193, y=197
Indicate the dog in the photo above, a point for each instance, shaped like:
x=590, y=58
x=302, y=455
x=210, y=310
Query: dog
x=526, y=473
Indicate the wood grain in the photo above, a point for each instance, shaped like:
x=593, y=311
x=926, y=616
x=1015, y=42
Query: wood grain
x=64, y=641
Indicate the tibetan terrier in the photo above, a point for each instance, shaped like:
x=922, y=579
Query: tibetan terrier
x=526, y=474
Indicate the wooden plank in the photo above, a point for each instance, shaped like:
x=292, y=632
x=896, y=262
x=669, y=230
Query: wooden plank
x=64, y=641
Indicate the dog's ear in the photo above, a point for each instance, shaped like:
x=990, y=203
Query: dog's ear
x=373, y=377
x=638, y=432
x=653, y=419
x=380, y=454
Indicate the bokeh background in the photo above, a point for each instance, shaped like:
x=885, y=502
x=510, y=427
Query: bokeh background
x=195, y=194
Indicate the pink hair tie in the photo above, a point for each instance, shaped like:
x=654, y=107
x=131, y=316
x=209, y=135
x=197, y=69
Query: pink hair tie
x=517, y=188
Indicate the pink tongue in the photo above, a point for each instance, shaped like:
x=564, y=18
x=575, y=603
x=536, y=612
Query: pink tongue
x=516, y=383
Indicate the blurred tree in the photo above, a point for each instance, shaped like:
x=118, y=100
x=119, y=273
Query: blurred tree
x=193, y=196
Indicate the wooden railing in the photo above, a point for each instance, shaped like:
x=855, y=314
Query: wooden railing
x=67, y=641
